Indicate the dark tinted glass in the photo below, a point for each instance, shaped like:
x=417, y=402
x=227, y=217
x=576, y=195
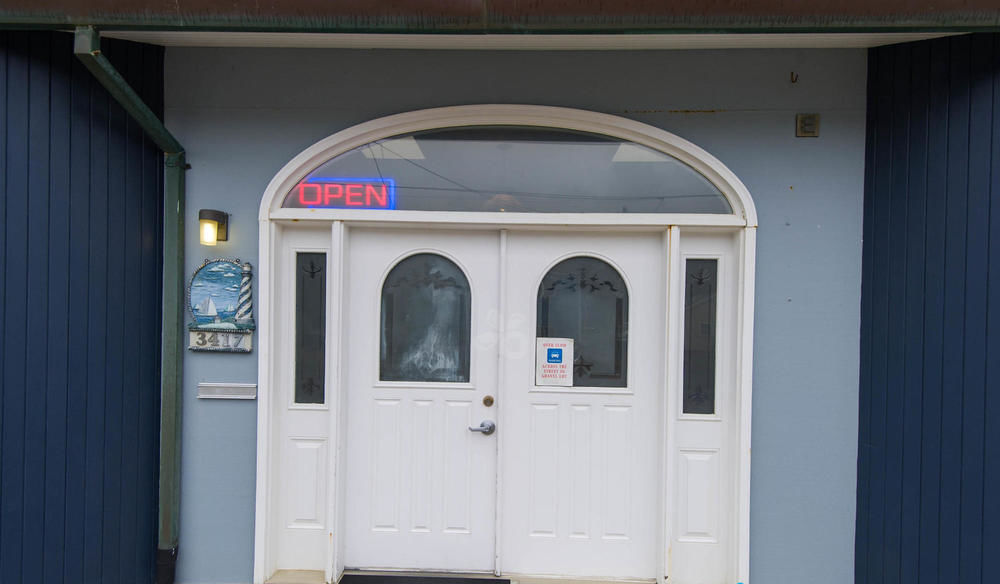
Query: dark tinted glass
x=701, y=285
x=508, y=168
x=425, y=321
x=310, y=328
x=585, y=299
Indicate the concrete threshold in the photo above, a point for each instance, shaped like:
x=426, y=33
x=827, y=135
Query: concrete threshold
x=297, y=577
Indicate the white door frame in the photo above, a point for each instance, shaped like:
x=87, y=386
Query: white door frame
x=273, y=220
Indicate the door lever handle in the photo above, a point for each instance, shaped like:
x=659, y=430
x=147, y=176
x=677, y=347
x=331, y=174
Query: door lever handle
x=487, y=427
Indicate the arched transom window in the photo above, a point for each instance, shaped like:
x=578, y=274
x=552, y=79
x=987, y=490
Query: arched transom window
x=507, y=169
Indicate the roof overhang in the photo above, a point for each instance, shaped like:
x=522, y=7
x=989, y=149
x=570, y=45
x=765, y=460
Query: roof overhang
x=518, y=17
x=540, y=42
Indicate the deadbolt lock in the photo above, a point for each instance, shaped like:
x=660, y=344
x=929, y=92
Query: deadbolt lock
x=488, y=401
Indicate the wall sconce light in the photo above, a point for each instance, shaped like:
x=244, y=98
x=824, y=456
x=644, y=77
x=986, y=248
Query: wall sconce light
x=213, y=226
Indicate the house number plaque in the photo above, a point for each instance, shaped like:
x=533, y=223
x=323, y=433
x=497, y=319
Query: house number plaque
x=240, y=342
x=220, y=298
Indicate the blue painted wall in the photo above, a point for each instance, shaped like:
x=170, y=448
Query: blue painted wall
x=243, y=113
x=80, y=280
x=929, y=452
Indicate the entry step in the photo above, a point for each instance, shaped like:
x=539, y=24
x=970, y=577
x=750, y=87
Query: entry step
x=297, y=577
x=419, y=578
x=316, y=577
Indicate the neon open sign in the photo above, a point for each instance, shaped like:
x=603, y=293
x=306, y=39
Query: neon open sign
x=344, y=193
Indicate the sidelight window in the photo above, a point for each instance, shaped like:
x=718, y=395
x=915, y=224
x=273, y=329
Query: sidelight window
x=310, y=328
x=701, y=288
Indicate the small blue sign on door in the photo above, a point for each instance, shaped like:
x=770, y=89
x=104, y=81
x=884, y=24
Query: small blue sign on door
x=554, y=356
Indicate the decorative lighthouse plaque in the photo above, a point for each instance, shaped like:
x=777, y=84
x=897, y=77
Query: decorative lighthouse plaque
x=220, y=298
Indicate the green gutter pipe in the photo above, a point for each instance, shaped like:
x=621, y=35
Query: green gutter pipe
x=87, y=48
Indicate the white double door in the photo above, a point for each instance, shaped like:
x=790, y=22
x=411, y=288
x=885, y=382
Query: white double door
x=569, y=482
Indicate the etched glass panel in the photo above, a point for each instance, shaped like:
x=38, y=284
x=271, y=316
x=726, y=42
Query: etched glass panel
x=426, y=321
x=310, y=328
x=508, y=169
x=701, y=287
x=585, y=299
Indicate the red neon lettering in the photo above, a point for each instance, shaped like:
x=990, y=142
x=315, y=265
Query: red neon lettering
x=332, y=191
x=382, y=200
x=335, y=194
x=353, y=197
x=302, y=194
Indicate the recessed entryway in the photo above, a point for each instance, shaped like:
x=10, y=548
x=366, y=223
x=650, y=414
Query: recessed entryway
x=522, y=394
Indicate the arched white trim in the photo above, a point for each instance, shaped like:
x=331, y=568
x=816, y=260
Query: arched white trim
x=515, y=115
x=274, y=223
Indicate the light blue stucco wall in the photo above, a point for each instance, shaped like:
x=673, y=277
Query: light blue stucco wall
x=243, y=113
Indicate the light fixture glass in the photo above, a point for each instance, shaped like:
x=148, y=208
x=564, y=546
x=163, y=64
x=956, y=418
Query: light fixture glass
x=209, y=231
x=213, y=226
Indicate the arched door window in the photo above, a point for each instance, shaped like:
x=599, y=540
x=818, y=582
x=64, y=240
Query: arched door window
x=585, y=299
x=425, y=321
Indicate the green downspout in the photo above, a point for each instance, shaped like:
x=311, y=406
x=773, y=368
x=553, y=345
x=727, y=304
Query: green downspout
x=87, y=48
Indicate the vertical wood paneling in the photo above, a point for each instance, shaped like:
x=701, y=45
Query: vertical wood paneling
x=991, y=408
x=15, y=251
x=3, y=297
x=37, y=233
x=930, y=487
x=895, y=289
x=956, y=191
x=879, y=311
x=114, y=307
x=928, y=461
x=79, y=300
x=977, y=260
x=57, y=333
x=80, y=280
x=915, y=257
x=97, y=327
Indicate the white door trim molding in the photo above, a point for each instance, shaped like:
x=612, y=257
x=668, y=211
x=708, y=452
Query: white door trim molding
x=274, y=221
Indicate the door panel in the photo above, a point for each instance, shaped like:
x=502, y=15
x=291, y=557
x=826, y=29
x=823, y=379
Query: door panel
x=581, y=464
x=420, y=484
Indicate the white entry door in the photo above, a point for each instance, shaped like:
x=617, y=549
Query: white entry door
x=421, y=330
x=580, y=474
x=580, y=464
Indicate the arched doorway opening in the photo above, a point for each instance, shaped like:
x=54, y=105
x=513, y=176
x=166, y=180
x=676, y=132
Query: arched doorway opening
x=444, y=389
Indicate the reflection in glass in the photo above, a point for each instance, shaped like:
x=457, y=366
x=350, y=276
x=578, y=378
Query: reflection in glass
x=701, y=286
x=425, y=321
x=515, y=169
x=585, y=299
x=310, y=328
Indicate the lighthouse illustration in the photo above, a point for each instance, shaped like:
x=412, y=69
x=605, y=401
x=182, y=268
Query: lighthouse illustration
x=244, y=310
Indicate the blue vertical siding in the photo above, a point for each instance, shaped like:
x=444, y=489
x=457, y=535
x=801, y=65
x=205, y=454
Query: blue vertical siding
x=929, y=444
x=80, y=280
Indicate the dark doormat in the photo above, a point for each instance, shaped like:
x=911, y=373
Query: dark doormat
x=411, y=579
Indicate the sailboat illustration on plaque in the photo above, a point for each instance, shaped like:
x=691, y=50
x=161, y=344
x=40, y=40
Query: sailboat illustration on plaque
x=220, y=298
